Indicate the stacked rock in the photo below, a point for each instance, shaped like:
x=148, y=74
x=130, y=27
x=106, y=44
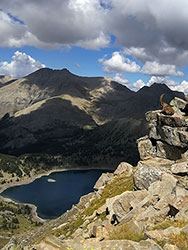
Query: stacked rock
x=168, y=135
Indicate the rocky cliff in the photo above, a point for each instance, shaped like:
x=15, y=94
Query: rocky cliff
x=142, y=207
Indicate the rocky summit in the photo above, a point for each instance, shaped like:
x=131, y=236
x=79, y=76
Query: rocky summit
x=134, y=208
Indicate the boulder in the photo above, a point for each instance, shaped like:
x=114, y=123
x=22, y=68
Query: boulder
x=168, y=135
x=182, y=181
x=181, y=192
x=185, y=155
x=180, y=168
x=101, y=210
x=149, y=171
x=167, y=185
x=145, y=148
x=92, y=228
x=161, y=235
x=77, y=234
x=172, y=121
x=109, y=244
x=180, y=106
x=121, y=205
x=104, y=179
x=170, y=247
x=99, y=233
x=151, y=116
x=185, y=229
x=151, y=215
x=153, y=132
x=124, y=168
x=86, y=222
x=86, y=199
x=183, y=214
x=177, y=136
x=166, y=151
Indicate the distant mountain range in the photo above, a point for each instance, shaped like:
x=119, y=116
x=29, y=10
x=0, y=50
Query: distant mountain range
x=89, y=121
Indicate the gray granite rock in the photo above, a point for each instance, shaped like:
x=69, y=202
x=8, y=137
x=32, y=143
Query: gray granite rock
x=180, y=168
x=149, y=171
x=145, y=148
x=124, y=168
x=104, y=179
x=179, y=105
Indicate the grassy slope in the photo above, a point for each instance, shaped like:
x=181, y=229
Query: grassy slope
x=14, y=219
x=119, y=185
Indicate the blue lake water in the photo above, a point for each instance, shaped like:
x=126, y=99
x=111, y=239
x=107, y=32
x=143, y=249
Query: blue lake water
x=54, y=198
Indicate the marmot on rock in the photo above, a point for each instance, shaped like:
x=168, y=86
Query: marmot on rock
x=166, y=109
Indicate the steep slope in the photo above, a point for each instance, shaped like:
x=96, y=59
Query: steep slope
x=88, y=120
x=46, y=83
x=5, y=80
x=37, y=86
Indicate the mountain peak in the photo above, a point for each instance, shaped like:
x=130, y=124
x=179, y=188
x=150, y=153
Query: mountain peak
x=48, y=71
x=159, y=85
x=65, y=70
x=154, y=87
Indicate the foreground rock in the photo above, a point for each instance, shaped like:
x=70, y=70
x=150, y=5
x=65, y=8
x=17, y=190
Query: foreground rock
x=144, y=208
x=104, y=179
x=124, y=168
x=151, y=170
x=52, y=244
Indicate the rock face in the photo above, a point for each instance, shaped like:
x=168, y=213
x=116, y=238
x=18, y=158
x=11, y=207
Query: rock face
x=103, y=180
x=50, y=243
x=165, y=148
x=164, y=198
x=124, y=167
x=149, y=171
x=168, y=137
x=180, y=106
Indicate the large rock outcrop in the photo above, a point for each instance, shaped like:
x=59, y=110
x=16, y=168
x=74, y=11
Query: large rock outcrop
x=168, y=137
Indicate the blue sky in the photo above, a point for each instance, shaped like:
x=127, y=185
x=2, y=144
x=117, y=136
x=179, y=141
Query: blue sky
x=135, y=42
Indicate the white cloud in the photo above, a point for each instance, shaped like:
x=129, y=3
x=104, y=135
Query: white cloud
x=120, y=79
x=16, y=34
x=182, y=87
x=118, y=63
x=11, y=32
x=154, y=68
x=138, y=85
x=20, y=65
x=60, y=23
x=139, y=26
x=143, y=24
x=164, y=79
x=101, y=41
x=139, y=53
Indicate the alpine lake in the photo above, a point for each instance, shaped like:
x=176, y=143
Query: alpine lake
x=56, y=193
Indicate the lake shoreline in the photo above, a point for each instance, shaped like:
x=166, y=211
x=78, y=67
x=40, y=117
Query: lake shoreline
x=31, y=179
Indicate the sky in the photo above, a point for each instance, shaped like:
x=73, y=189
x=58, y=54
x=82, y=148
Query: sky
x=134, y=42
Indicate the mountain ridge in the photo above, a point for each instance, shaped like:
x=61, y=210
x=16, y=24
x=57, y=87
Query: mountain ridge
x=55, y=111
